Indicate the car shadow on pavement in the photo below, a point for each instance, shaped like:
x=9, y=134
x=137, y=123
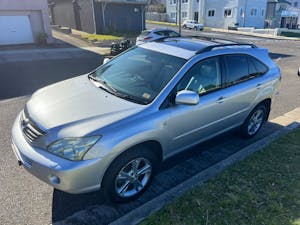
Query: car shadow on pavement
x=275, y=56
x=92, y=208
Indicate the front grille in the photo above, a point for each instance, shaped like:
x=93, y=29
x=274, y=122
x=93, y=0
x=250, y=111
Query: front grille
x=30, y=129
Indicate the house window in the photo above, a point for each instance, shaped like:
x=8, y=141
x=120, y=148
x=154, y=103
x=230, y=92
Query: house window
x=282, y=8
x=184, y=14
x=262, y=12
x=211, y=13
x=241, y=12
x=173, y=15
x=295, y=4
x=228, y=13
x=253, y=12
x=185, y=1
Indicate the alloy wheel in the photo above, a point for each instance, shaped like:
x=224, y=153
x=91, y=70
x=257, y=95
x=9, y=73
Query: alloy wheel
x=133, y=177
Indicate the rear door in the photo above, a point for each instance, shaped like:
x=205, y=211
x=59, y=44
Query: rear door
x=243, y=82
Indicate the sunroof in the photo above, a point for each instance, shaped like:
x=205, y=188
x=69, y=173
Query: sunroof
x=191, y=45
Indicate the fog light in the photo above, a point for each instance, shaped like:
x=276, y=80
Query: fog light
x=54, y=180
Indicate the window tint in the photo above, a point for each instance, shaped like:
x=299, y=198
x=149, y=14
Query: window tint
x=260, y=68
x=237, y=68
x=203, y=77
x=173, y=34
x=243, y=67
x=167, y=33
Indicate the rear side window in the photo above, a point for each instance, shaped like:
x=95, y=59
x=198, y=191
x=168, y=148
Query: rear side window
x=243, y=67
x=237, y=68
x=256, y=67
x=167, y=33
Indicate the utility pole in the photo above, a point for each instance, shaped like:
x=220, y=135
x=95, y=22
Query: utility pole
x=179, y=16
x=245, y=13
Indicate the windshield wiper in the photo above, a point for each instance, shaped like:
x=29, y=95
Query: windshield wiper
x=103, y=84
x=131, y=98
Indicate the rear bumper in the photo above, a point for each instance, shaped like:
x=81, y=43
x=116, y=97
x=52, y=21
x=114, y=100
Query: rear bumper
x=69, y=176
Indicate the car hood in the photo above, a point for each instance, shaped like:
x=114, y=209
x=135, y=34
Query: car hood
x=75, y=101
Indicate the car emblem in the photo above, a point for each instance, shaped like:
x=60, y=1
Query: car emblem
x=25, y=122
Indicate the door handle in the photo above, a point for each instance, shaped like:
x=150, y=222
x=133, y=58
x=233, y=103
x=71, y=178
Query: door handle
x=221, y=99
x=258, y=86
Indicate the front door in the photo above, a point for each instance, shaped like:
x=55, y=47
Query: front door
x=190, y=124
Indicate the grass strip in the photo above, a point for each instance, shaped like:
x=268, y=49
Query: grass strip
x=101, y=37
x=161, y=23
x=262, y=189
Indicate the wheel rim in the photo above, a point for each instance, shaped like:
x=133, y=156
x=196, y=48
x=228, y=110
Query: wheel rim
x=133, y=177
x=255, y=121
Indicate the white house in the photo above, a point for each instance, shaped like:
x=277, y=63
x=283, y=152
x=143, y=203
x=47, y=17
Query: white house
x=283, y=14
x=295, y=3
x=221, y=13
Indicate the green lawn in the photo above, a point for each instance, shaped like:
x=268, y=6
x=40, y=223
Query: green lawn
x=162, y=23
x=263, y=189
x=101, y=37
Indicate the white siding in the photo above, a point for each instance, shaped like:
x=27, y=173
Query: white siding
x=258, y=20
x=221, y=21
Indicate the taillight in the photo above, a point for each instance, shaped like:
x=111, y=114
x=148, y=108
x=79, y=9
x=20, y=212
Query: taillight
x=147, y=38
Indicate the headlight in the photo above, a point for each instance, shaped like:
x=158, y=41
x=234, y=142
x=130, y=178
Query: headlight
x=73, y=148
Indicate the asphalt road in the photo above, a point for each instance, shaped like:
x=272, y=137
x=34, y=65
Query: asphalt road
x=26, y=200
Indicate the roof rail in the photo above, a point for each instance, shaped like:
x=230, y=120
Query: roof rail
x=211, y=47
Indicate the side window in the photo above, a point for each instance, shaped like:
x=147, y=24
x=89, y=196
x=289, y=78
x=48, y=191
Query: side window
x=173, y=34
x=161, y=33
x=237, y=68
x=256, y=67
x=205, y=76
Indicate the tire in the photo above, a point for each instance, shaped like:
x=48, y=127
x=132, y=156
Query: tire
x=184, y=26
x=254, y=121
x=122, y=181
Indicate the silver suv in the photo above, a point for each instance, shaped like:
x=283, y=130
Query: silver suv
x=192, y=24
x=111, y=128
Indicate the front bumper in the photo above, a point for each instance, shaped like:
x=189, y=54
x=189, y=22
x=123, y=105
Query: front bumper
x=69, y=176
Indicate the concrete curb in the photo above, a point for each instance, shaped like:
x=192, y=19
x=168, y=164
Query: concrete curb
x=137, y=215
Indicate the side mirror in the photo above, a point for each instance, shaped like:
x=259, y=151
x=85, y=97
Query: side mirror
x=187, y=97
x=105, y=60
x=299, y=71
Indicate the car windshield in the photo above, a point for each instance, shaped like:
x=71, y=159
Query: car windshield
x=139, y=74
